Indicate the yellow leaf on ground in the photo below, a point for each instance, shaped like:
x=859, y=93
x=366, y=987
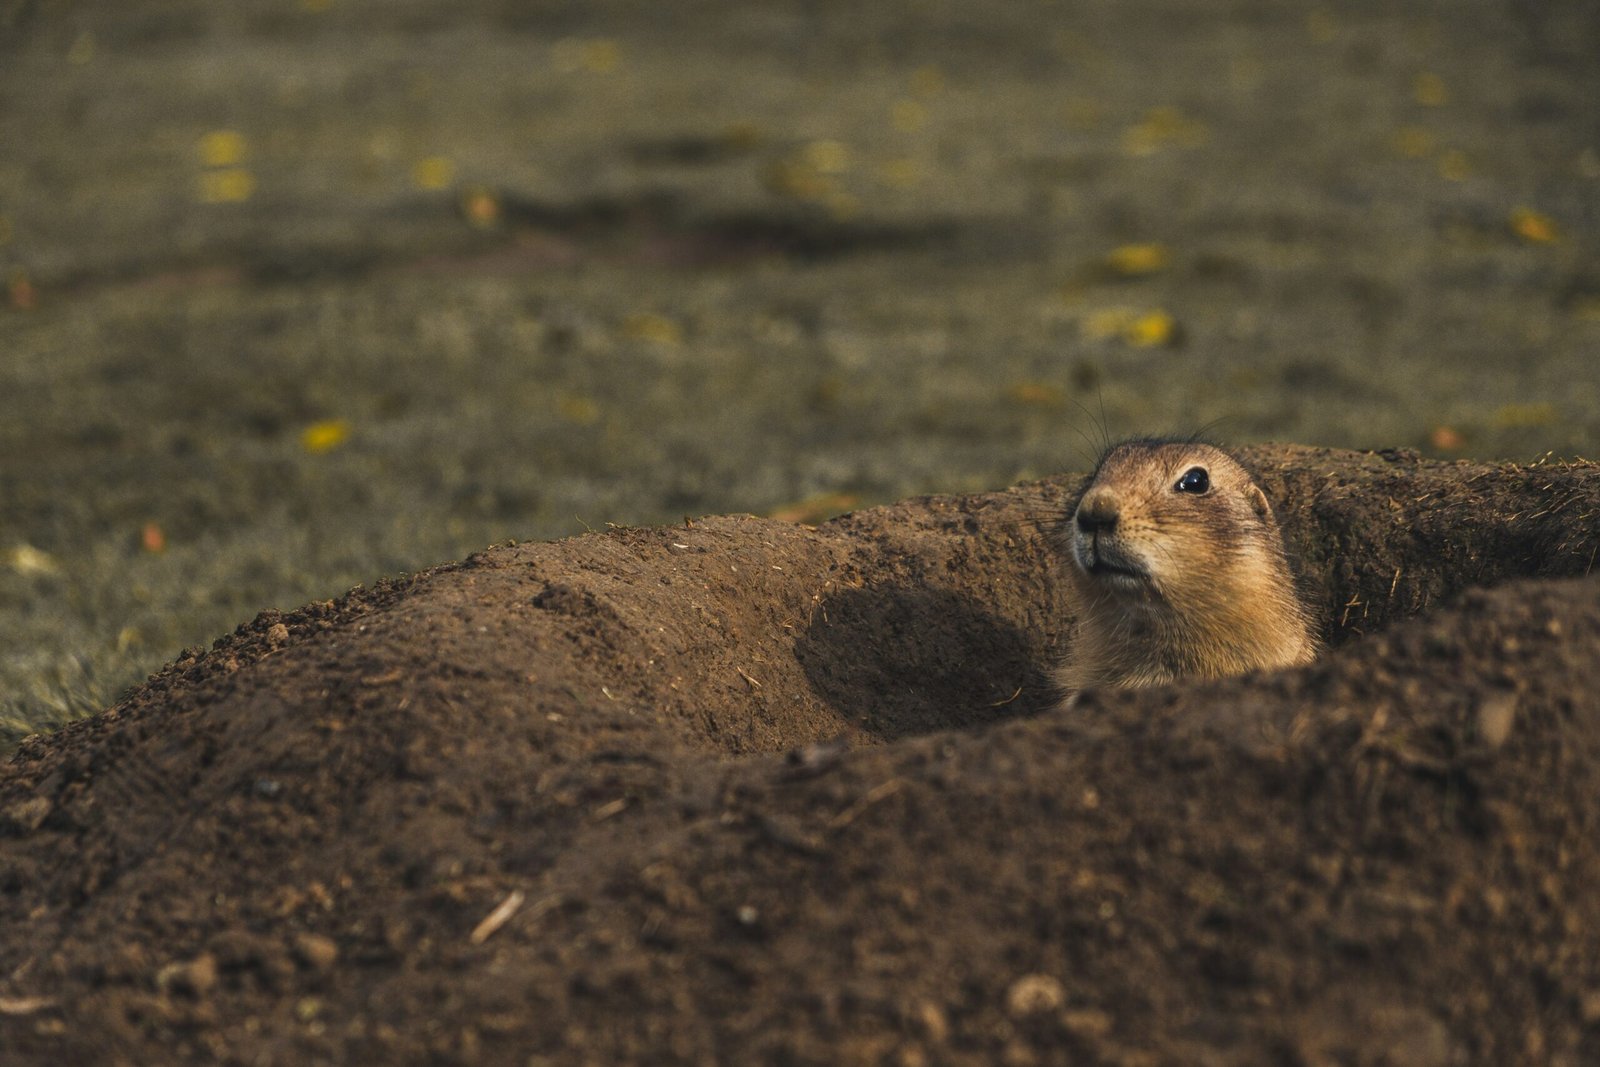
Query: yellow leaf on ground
x=231, y=186
x=1533, y=226
x=481, y=208
x=433, y=172
x=1140, y=328
x=602, y=56
x=222, y=148
x=657, y=328
x=25, y=559
x=1136, y=259
x=324, y=436
x=1151, y=330
x=827, y=157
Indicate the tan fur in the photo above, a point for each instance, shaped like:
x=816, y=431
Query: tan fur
x=1214, y=595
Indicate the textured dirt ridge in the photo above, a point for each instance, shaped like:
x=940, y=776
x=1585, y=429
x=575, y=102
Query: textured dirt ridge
x=744, y=791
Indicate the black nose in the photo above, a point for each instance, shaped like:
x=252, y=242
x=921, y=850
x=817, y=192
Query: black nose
x=1097, y=514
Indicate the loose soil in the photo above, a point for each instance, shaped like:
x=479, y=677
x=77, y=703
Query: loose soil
x=742, y=791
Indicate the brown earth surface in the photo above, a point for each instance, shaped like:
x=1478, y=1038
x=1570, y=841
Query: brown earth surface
x=742, y=791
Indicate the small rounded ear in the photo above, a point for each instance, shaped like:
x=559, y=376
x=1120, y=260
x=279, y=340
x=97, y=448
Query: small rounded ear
x=1258, y=503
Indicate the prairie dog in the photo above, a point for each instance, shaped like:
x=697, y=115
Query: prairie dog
x=1177, y=569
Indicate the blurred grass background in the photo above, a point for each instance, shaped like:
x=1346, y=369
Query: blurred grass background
x=302, y=293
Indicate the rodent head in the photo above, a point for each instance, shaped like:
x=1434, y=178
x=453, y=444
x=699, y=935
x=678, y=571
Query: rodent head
x=1178, y=570
x=1164, y=521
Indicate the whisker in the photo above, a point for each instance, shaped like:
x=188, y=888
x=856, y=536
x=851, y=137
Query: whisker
x=1203, y=434
x=1105, y=428
x=1094, y=452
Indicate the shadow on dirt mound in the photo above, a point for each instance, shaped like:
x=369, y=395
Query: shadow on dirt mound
x=744, y=791
x=902, y=661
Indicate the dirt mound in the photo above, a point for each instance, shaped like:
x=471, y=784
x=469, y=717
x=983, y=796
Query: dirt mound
x=742, y=791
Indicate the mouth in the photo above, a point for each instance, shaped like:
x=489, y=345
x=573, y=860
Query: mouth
x=1103, y=568
x=1113, y=568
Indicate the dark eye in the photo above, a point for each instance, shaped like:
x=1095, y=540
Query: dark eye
x=1194, y=480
